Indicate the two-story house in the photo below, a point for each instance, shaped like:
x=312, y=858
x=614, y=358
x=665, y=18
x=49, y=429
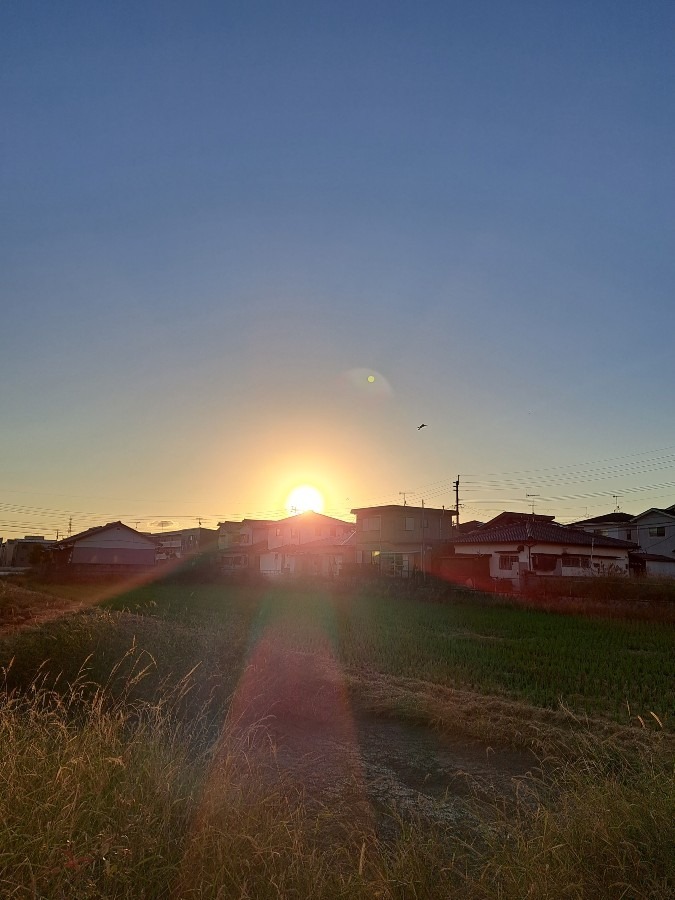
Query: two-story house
x=241, y=543
x=309, y=543
x=653, y=531
x=400, y=539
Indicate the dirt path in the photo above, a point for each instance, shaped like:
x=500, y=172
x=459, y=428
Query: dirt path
x=384, y=762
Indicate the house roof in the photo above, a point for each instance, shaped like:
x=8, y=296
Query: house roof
x=668, y=511
x=524, y=528
x=605, y=519
x=652, y=557
x=74, y=538
x=399, y=507
x=311, y=516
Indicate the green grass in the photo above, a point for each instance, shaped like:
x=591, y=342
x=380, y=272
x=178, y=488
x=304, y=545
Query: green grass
x=593, y=666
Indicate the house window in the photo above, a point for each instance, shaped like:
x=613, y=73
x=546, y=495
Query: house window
x=371, y=523
x=657, y=531
x=278, y=532
x=629, y=534
x=575, y=562
x=244, y=539
x=507, y=561
x=409, y=523
x=544, y=562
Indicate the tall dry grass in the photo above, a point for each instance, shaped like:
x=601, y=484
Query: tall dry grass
x=105, y=795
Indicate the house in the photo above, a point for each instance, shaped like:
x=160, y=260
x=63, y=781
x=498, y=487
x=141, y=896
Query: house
x=653, y=531
x=324, y=557
x=615, y=524
x=241, y=543
x=399, y=539
x=184, y=542
x=307, y=543
x=23, y=552
x=111, y=548
x=520, y=545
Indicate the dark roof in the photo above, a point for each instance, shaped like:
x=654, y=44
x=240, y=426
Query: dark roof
x=605, y=519
x=399, y=507
x=524, y=528
x=310, y=515
x=73, y=538
x=668, y=511
x=651, y=557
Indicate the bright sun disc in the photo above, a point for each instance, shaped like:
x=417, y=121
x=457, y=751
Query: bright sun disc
x=303, y=498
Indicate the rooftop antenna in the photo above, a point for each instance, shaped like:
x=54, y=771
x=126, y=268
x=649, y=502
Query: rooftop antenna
x=530, y=498
x=616, y=501
x=402, y=494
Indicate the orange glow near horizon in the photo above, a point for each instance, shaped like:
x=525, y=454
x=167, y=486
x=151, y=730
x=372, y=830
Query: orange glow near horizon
x=305, y=497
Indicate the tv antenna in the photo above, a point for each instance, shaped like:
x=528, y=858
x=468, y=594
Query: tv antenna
x=617, y=508
x=531, y=501
x=402, y=494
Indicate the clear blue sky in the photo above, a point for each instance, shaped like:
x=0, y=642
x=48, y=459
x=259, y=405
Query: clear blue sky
x=217, y=218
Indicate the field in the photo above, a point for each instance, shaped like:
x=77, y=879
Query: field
x=246, y=741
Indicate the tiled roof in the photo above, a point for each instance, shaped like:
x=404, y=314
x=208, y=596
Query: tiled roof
x=541, y=532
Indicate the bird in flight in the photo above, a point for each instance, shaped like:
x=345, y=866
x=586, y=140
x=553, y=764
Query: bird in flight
x=421, y=426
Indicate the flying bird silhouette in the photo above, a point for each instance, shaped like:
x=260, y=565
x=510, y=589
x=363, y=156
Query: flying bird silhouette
x=421, y=426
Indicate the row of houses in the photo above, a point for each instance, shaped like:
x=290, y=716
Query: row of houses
x=394, y=540
x=401, y=540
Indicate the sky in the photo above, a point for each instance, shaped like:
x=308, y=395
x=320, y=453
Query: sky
x=218, y=219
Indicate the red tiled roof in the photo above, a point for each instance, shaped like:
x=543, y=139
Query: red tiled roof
x=539, y=531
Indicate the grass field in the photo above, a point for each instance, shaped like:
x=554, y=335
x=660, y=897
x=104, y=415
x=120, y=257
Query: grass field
x=612, y=667
x=136, y=760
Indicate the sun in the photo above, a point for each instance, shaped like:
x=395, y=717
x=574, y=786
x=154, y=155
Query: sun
x=303, y=498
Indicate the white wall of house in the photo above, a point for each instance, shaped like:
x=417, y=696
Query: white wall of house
x=660, y=568
x=508, y=562
x=114, y=546
x=276, y=563
x=654, y=531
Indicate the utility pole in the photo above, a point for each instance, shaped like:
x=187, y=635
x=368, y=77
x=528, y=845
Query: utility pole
x=70, y=525
x=424, y=574
x=457, y=502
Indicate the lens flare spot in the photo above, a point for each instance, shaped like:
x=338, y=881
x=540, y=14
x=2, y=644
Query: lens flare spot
x=372, y=384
